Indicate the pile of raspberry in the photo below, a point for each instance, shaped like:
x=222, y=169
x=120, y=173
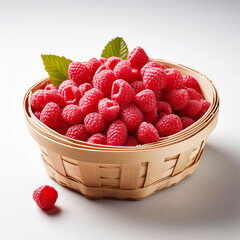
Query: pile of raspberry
x=120, y=103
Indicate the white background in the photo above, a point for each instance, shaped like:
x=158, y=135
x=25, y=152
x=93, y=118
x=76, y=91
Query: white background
x=204, y=35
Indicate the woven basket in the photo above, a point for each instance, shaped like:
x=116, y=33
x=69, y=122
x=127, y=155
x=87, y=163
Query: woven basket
x=99, y=171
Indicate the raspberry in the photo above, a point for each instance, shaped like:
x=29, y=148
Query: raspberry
x=138, y=86
x=37, y=114
x=169, y=124
x=65, y=84
x=79, y=73
x=145, y=100
x=164, y=107
x=71, y=94
x=109, y=109
x=102, y=60
x=159, y=95
x=191, y=82
x=193, y=94
x=186, y=121
x=85, y=87
x=132, y=116
x=38, y=100
x=95, y=123
x=147, y=133
x=131, y=141
x=93, y=64
x=72, y=114
x=78, y=132
x=112, y=62
x=54, y=96
x=154, y=79
x=50, y=87
x=151, y=117
x=193, y=107
x=138, y=58
x=117, y=133
x=162, y=114
x=62, y=128
x=150, y=65
x=51, y=115
x=45, y=197
x=205, y=106
x=136, y=75
x=103, y=81
x=103, y=67
x=122, y=92
x=123, y=71
x=174, y=79
x=177, y=99
x=97, y=138
x=89, y=102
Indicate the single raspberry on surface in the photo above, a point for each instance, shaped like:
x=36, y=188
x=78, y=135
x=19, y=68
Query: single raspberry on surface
x=85, y=87
x=112, y=62
x=50, y=87
x=164, y=107
x=89, y=102
x=136, y=75
x=132, y=116
x=45, y=197
x=37, y=114
x=71, y=94
x=38, y=100
x=93, y=64
x=51, y=115
x=95, y=123
x=138, y=58
x=169, y=124
x=151, y=117
x=62, y=128
x=97, y=138
x=131, y=141
x=102, y=60
x=109, y=109
x=65, y=84
x=79, y=73
x=145, y=100
x=193, y=107
x=159, y=95
x=103, y=81
x=177, y=99
x=205, y=106
x=101, y=68
x=122, y=92
x=72, y=114
x=54, y=96
x=78, y=132
x=186, y=121
x=191, y=82
x=154, y=79
x=193, y=94
x=117, y=133
x=138, y=86
x=147, y=133
x=150, y=65
x=174, y=79
x=123, y=71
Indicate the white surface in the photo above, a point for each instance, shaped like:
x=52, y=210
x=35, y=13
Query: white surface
x=200, y=34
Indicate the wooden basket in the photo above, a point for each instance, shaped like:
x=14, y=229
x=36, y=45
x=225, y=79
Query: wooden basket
x=99, y=171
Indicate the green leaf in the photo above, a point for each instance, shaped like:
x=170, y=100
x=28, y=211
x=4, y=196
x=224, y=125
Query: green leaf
x=57, y=68
x=116, y=47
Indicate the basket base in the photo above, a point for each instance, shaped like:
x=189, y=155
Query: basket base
x=135, y=194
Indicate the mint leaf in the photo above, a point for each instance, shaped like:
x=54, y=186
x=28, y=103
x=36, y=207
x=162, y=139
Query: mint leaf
x=116, y=47
x=57, y=68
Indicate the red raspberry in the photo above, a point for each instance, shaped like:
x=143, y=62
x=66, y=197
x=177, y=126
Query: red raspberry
x=205, y=106
x=38, y=100
x=169, y=124
x=109, y=109
x=174, y=79
x=193, y=94
x=50, y=87
x=95, y=123
x=154, y=79
x=131, y=141
x=151, y=117
x=71, y=94
x=177, y=99
x=164, y=107
x=102, y=60
x=51, y=115
x=147, y=133
x=85, y=87
x=138, y=58
x=138, y=86
x=103, y=81
x=65, y=84
x=191, y=82
x=186, y=121
x=145, y=100
x=78, y=132
x=79, y=73
x=89, y=102
x=132, y=116
x=117, y=133
x=122, y=92
x=37, y=114
x=150, y=65
x=54, y=96
x=93, y=64
x=123, y=71
x=63, y=127
x=45, y=197
x=193, y=107
x=136, y=75
x=112, y=62
x=97, y=138
x=72, y=114
x=162, y=114
x=159, y=95
x=103, y=67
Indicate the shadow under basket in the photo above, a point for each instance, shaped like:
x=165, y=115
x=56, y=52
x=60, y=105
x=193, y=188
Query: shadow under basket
x=121, y=173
